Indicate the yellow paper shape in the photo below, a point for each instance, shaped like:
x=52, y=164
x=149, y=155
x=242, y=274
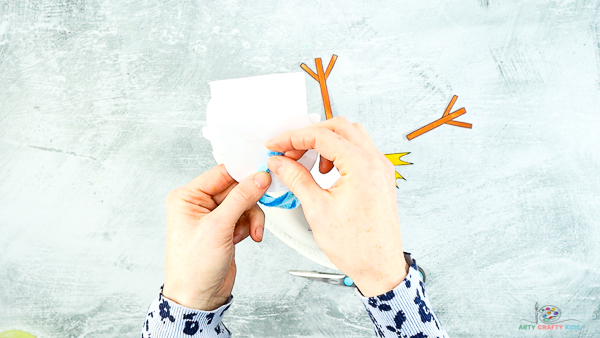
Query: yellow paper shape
x=395, y=159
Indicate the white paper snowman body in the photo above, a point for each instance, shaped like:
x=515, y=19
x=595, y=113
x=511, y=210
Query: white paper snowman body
x=241, y=116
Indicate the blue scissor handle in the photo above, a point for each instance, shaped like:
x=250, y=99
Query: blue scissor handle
x=348, y=281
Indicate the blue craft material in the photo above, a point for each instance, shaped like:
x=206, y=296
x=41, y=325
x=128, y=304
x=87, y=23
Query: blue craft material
x=264, y=166
x=348, y=281
x=285, y=201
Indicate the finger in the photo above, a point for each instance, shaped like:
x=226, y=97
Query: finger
x=349, y=131
x=295, y=154
x=211, y=182
x=242, y=229
x=329, y=144
x=241, y=198
x=185, y=197
x=297, y=178
x=362, y=129
x=199, y=191
x=344, y=128
x=340, y=125
x=325, y=165
x=256, y=218
x=218, y=198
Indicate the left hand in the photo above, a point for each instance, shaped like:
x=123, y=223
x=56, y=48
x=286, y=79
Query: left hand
x=205, y=219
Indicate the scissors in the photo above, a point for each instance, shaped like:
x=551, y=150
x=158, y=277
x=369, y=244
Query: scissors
x=333, y=278
x=330, y=278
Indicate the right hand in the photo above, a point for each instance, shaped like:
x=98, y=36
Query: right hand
x=355, y=222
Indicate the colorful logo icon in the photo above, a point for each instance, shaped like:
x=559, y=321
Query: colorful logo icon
x=549, y=314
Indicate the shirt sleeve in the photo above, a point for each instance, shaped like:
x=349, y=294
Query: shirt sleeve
x=404, y=311
x=167, y=319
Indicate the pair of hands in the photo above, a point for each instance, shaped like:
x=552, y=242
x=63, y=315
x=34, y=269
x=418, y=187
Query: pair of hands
x=355, y=222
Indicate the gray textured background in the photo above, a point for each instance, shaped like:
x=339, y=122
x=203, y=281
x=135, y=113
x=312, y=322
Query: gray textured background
x=102, y=103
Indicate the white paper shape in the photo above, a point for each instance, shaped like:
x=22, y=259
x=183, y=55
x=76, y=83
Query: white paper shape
x=244, y=113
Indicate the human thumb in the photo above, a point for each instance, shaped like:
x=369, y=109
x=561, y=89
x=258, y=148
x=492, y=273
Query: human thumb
x=296, y=177
x=241, y=198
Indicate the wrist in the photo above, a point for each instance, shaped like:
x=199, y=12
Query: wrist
x=379, y=283
x=202, y=302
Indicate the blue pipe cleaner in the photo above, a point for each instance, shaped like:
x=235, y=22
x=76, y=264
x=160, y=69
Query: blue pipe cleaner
x=285, y=201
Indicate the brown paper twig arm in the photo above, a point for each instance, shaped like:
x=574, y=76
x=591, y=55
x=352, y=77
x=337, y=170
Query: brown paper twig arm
x=460, y=124
x=321, y=77
x=455, y=123
x=330, y=66
x=436, y=123
x=324, y=92
x=450, y=105
x=447, y=118
x=310, y=72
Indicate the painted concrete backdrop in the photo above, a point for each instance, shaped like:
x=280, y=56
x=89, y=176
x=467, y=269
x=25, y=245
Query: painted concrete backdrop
x=101, y=109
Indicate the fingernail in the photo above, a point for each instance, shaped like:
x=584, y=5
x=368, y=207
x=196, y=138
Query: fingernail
x=261, y=180
x=259, y=232
x=269, y=143
x=274, y=164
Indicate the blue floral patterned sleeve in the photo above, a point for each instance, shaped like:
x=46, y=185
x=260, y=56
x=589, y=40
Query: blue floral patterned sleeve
x=404, y=311
x=167, y=319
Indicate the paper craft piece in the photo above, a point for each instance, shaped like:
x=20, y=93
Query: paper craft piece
x=446, y=119
x=395, y=159
x=243, y=114
x=321, y=77
x=285, y=201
